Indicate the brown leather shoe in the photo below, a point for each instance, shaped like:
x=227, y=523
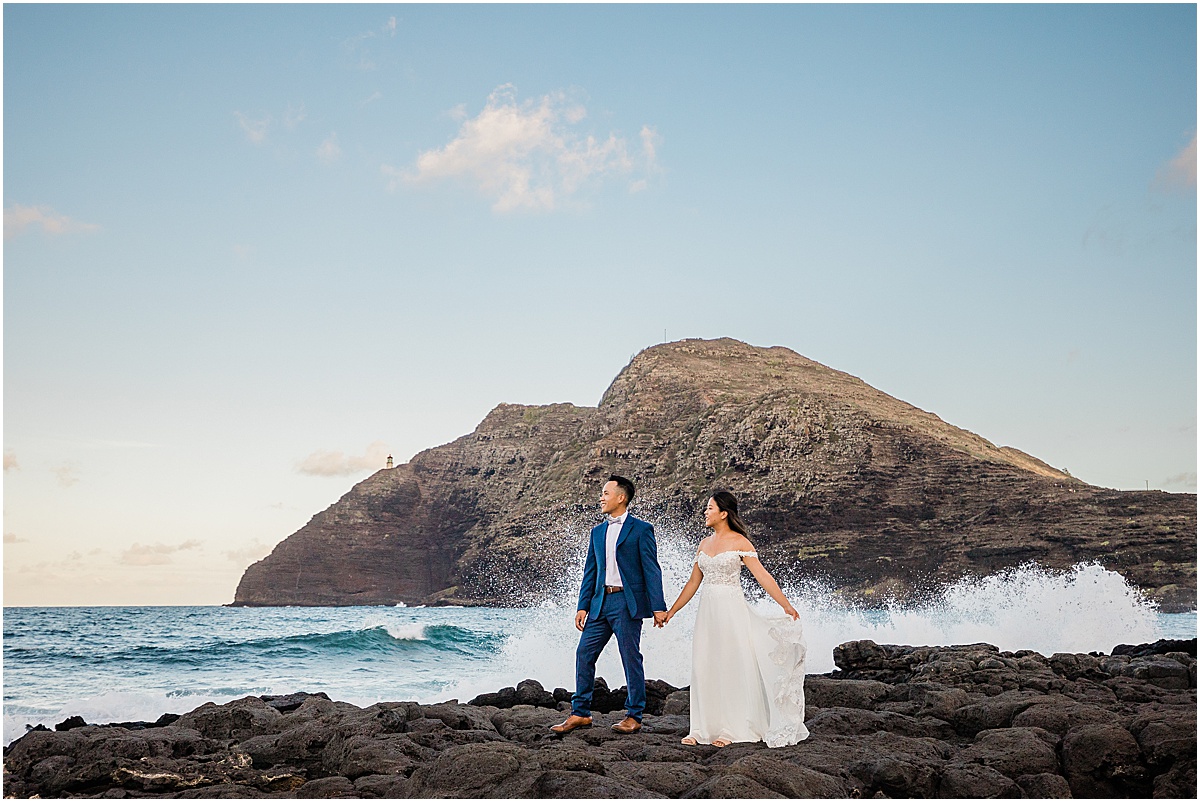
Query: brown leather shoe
x=627, y=726
x=573, y=722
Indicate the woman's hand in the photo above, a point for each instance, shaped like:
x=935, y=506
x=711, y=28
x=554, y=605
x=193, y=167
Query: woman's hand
x=790, y=610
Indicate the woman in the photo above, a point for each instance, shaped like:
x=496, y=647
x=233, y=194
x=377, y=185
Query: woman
x=747, y=670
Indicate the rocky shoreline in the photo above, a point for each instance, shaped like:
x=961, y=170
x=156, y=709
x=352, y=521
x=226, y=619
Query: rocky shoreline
x=956, y=721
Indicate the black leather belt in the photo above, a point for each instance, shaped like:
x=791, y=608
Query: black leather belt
x=613, y=589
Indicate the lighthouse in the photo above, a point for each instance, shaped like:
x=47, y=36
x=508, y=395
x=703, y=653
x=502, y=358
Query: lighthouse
x=389, y=460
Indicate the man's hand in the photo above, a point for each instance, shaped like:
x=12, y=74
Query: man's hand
x=580, y=619
x=661, y=618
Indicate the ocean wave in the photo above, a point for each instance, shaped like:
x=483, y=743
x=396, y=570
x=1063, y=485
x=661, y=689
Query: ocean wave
x=382, y=638
x=379, y=640
x=1083, y=609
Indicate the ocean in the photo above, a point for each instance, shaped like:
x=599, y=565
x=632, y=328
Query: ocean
x=135, y=663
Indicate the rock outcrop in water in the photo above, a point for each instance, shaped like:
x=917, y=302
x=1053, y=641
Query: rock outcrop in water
x=893, y=721
x=837, y=479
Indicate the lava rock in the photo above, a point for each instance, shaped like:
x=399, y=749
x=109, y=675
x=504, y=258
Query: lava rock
x=503, y=698
x=944, y=725
x=1103, y=760
x=531, y=692
x=1158, y=647
x=1014, y=751
x=289, y=702
x=70, y=724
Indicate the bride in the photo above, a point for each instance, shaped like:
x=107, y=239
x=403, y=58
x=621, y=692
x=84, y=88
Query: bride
x=747, y=670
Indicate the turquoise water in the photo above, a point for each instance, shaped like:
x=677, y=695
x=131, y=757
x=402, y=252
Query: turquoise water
x=135, y=663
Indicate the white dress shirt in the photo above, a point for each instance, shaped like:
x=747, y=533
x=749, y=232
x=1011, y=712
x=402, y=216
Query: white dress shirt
x=612, y=576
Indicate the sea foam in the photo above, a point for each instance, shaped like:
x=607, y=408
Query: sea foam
x=1086, y=608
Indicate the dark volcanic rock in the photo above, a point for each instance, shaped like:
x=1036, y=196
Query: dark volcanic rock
x=503, y=698
x=932, y=730
x=1103, y=760
x=1015, y=751
x=1164, y=646
x=531, y=692
x=289, y=702
x=976, y=781
x=837, y=479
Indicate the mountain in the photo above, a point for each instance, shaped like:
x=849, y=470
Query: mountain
x=837, y=480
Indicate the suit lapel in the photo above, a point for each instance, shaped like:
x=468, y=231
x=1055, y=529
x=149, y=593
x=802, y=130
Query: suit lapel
x=626, y=528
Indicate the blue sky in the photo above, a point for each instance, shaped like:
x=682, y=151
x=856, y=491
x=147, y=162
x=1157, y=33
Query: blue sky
x=250, y=250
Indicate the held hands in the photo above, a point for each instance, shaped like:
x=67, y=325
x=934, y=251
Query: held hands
x=661, y=617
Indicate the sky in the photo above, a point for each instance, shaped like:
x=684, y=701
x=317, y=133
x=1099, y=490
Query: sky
x=249, y=251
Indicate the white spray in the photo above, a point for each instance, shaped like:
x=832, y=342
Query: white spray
x=1086, y=608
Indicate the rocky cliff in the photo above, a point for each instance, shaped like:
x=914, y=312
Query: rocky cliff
x=836, y=479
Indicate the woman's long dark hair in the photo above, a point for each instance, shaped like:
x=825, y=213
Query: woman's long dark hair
x=726, y=502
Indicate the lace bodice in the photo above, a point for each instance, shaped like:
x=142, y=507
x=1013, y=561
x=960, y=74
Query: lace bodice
x=724, y=568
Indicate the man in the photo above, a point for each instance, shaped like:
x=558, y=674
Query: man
x=622, y=584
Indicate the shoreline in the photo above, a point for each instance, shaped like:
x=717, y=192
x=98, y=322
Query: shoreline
x=961, y=721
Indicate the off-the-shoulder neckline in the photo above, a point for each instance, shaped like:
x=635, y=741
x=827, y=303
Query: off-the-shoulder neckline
x=727, y=551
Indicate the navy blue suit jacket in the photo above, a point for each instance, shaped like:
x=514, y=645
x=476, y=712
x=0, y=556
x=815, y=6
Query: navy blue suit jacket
x=637, y=560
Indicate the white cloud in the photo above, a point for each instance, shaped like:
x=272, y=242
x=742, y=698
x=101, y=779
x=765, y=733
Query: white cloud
x=155, y=553
x=250, y=553
x=66, y=474
x=255, y=130
x=376, y=95
x=293, y=116
x=358, y=46
x=1180, y=172
x=10, y=461
x=329, y=151
x=1185, y=481
x=522, y=154
x=335, y=463
x=17, y=218
x=650, y=140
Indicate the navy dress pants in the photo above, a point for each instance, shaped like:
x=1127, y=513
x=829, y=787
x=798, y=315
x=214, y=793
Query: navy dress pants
x=615, y=619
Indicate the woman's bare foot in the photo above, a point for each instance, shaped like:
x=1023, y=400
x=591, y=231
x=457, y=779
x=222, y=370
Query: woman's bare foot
x=721, y=742
x=688, y=741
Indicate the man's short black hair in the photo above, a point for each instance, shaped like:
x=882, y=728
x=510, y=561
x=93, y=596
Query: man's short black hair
x=625, y=485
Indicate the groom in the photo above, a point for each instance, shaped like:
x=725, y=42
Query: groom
x=622, y=584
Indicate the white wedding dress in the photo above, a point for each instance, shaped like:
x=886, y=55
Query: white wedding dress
x=747, y=669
